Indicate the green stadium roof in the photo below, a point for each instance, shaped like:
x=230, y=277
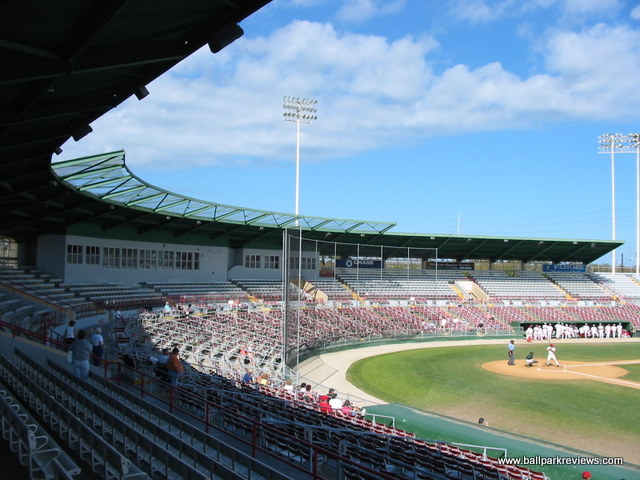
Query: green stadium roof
x=107, y=177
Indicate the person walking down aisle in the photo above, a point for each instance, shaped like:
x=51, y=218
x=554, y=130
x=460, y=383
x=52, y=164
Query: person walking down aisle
x=70, y=332
x=81, y=350
x=97, y=342
x=175, y=368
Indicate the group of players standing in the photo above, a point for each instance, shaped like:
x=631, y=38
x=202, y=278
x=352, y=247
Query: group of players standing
x=561, y=330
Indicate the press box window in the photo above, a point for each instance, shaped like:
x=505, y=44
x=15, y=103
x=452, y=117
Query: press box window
x=74, y=254
x=252, y=261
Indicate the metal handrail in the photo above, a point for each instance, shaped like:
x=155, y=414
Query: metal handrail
x=176, y=393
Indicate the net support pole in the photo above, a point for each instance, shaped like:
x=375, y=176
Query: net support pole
x=285, y=296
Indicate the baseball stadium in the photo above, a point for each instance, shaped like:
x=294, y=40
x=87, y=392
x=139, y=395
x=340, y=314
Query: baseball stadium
x=149, y=334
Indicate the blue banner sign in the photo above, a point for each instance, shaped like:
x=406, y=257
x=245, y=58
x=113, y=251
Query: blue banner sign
x=568, y=267
x=358, y=263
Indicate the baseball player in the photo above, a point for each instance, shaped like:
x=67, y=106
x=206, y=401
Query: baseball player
x=551, y=355
x=529, y=360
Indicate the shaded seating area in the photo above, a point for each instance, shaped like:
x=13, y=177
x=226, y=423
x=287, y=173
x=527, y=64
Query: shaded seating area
x=205, y=292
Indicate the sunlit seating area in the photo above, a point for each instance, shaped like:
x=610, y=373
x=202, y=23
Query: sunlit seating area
x=581, y=286
x=332, y=288
x=522, y=285
x=270, y=291
x=221, y=341
x=624, y=285
x=214, y=292
x=114, y=295
x=395, y=283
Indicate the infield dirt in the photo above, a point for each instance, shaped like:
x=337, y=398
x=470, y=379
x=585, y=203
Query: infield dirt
x=608, y=372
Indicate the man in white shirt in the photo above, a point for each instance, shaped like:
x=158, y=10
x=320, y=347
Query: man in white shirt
x=97, y=344
x=335, y=402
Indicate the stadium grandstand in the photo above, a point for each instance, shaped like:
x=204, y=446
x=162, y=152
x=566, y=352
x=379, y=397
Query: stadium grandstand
x=236, y=288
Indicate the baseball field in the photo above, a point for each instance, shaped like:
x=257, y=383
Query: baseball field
x=590, y=403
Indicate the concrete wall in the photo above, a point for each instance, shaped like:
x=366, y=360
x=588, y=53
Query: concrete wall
x=51, y=255
x=216, y=263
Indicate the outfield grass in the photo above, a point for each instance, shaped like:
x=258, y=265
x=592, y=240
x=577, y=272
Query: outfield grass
x=634, y=373
x=585, y=414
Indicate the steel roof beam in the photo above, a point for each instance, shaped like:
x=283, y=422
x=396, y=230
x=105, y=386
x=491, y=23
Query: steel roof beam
x=30, y=49
x=108, y=181
x=140, y=200
x=165, y=208
x=86, y=36
x=116, y=193
x=90, y=172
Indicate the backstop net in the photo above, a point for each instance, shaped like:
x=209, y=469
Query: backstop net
x=336, y=292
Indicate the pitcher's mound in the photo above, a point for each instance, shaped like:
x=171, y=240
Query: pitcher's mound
x=603, y=371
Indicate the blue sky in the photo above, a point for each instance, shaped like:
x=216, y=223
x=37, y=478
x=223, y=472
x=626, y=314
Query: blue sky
x=466, y=116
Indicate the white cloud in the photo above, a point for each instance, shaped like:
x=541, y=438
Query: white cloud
x=373, y=93
x=591, y=7
x=482, y=11
x=486, y=11
x=363, y=10
x=635, y=13
x=306, y=3
x=599, y=68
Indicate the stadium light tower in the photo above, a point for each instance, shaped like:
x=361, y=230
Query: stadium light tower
x=299, y=110
x=609, y=143
x=613, y=143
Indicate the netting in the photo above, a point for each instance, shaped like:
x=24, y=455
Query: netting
x=331, y=287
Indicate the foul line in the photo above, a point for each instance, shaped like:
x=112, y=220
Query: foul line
x=625, y=362
x=606, y=379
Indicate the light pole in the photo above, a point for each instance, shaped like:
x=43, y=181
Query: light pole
x=299, y=110
x=613, y=143
x=608, y=145
x=634, y=141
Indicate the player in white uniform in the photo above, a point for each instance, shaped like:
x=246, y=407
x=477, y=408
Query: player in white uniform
x=529, y=333
x=537, y=332
x=551, y=355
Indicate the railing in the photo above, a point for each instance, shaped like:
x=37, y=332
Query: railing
x=261, y=435
x=47, y=338
x=201, y=411
x=59, y=307
x=34, y=295
x=485, y=449
x=144, y=300
x=147, y=385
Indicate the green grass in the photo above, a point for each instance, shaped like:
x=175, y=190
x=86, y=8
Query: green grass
x=451, y=381
x=634, y=373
